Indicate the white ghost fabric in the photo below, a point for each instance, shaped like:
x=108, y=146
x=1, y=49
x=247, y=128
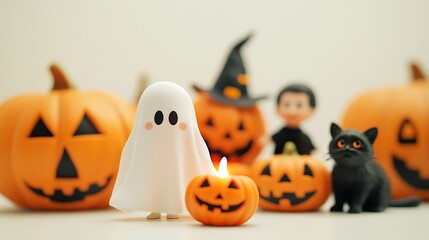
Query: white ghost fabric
x=160, y=158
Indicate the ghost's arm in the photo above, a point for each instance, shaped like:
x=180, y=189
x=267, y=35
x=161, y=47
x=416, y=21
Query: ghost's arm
x=204, y=156
x=125, y=163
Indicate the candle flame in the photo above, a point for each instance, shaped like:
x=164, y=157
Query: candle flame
x=223, y=168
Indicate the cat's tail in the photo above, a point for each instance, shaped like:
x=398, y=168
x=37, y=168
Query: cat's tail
x=405, y=202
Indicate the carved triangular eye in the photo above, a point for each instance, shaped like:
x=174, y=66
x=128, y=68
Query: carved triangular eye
x=86, y=127
x=40, y=130
x=205, y=183
x=266, y=171
x=241, y=126
x=407, y=132
x=307, y=171
x=233, y=185
x=285, y=178
x=210, y=122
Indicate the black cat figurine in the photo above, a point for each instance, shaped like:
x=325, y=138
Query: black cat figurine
x=357, y=179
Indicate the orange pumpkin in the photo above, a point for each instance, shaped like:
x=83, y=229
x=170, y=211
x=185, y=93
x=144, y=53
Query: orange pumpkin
x=291, y=182
x=237, y=168
x=402, y=117
x=61, y=151
x=222, y=201
x=230, y=131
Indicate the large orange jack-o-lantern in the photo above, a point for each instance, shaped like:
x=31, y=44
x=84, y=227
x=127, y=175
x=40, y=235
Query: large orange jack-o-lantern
x=401, y=115
x=229, y=131
x=291, y=182
x=61, y=151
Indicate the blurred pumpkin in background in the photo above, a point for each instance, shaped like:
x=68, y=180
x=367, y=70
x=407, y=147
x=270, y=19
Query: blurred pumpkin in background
x=230, y=131
x=229, y=119
x=402, y=116
x=61, y=150
x=291, y=182
x=142, y=83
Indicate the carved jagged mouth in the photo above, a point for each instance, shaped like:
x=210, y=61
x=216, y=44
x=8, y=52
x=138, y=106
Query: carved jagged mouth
x=287, y=195
x=239, y=152
x=211, y=207
x=412, y=177
x=77, y=195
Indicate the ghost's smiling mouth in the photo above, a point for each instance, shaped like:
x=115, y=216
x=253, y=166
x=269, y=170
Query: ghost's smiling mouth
x=78, y=195
x=239, y=152
x=211, y=207
x=412, y=177
x=293, y=199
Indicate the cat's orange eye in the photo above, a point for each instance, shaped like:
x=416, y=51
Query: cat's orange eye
x=357, y=144
x=341, y=143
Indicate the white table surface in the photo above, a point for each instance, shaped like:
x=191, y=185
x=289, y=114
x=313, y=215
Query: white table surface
x=394, y=223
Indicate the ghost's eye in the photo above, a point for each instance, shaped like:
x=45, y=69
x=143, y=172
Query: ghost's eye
x=158, y=118
x=172, y=118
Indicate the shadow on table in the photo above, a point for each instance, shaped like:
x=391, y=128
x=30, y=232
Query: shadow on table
x=144, y=219
x=23, y=211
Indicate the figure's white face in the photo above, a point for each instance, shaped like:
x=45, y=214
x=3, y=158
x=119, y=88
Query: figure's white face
x=165, y=109
x=294, y=108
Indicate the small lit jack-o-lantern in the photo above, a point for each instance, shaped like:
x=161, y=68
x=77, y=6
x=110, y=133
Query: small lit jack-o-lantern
x=61, y=151
x=229, y=131
x=401, y=115
x=291, y=182
x=222, y=200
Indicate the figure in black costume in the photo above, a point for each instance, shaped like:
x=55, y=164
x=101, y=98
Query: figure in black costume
x=295, y=103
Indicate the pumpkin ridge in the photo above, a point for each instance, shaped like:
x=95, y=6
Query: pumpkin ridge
x=8, y=178
x=34, y=100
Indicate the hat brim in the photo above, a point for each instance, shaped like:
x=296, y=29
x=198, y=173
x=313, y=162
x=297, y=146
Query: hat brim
x=241, y=103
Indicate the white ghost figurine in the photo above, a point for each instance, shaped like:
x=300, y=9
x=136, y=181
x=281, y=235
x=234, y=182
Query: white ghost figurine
x=164, y=152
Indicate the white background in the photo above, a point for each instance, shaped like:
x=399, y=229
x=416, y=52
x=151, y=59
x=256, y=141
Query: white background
x=338, y=47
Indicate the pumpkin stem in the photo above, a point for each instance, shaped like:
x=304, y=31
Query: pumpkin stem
x=60, y=79
x=417, y=74
x=143, y=82
x=289, y=149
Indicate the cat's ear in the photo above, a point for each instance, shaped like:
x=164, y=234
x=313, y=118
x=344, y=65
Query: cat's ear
x=335, y=129
x=371, y=134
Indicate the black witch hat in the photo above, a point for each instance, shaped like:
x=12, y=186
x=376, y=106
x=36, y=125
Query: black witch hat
x=231, y=86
